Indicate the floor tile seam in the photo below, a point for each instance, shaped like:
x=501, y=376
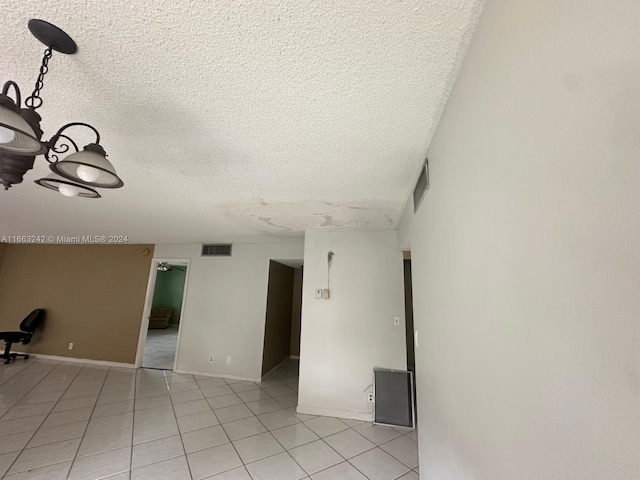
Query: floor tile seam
x=388, y=441
x=185, y=455
x=14, y=374
x=342, y=456
x=331, y=466
x=150, y=396
x=270, y=456
x=106, y=477
x=363, y=474
x=75, y=408
x=90, y=415
x=26, y=416
x=164, y=459
x=248, y=436
x=152, y=421
x=45, y=466
x=44, y=419
x=159, y=438
x=58, y=441
x=243, y=466
x=309, y=474
x=399, y=460
x=110, y=449
x=110, y=475
x=179, y=431
x=135, y=390
x=30, y=389
x=280, y=443
x=230, y=441
x=395, y=478
x=197, y=400
x=362, y=453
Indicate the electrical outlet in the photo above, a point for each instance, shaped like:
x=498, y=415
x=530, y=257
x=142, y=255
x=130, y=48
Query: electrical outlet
x=396, y=320
x=370, y=397
x=211, y=358
x=318, y=293
x=71, y=346
x=228, y=360
x=325, y=293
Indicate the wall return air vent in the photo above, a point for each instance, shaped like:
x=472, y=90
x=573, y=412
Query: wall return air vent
x=422, y=185
x=216, y=250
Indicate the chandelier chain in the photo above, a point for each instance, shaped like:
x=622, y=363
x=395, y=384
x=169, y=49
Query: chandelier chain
x=34, y=101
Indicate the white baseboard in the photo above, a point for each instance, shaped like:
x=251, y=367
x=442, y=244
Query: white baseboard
x=218, y=375
x=326, y=412
x=82, y=360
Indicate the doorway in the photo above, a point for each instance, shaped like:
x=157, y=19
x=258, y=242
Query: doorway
x=159, y=338
x=408, y=314
x=281, y=348
x=409, y=325
x=283, y=315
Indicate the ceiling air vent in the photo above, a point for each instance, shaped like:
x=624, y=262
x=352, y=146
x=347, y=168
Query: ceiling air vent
x=216, y=250
x=421, y=186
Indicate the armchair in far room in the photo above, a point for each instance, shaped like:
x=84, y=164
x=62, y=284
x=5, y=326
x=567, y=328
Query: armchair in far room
x=160, y=317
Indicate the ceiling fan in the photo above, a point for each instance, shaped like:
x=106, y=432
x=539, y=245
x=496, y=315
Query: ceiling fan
x=165, y=267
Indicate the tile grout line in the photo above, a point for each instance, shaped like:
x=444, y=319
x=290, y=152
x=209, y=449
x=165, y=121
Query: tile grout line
x=268, y=431
x=232, y=444
x=281, y=408
x=14, y=374
x=133, y=420
x=178, y=425
x=28, y=391
x=89, y=420
x=285, y=450
x=46, y=416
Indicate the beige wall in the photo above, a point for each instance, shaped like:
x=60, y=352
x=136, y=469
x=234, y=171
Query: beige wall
x=3, y=249
x=93, y=295
x=277, y=328
x=296, y=312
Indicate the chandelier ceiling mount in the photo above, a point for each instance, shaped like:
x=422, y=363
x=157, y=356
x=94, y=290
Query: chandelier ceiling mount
x=77, y=174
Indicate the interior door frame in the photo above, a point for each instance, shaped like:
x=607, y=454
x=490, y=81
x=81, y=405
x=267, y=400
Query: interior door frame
x=151, y=286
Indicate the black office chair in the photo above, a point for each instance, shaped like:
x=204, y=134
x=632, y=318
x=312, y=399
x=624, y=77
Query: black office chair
x=28, y=327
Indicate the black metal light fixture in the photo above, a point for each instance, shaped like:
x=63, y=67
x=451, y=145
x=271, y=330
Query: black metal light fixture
x=79, y=173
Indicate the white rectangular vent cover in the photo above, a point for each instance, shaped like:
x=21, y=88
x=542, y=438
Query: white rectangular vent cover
x=216, y=250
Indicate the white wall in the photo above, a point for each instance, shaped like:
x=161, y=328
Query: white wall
x=343, y=338
x=225, y=307
x=526, y=251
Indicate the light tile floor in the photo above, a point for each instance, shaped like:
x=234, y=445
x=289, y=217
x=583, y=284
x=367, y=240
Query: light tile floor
x=160, y=348
x=66, y=420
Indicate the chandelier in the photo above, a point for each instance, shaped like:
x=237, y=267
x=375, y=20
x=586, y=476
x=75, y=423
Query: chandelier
x=77, y=174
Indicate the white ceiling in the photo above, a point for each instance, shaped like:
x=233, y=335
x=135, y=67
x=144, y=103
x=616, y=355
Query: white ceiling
x=232, y=119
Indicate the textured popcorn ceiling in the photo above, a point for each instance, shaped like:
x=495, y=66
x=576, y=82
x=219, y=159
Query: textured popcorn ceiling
x=232, y=119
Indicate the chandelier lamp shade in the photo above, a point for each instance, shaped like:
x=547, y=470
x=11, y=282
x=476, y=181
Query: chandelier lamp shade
x=66, y=187
x=78, y=173
x=16, y=135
